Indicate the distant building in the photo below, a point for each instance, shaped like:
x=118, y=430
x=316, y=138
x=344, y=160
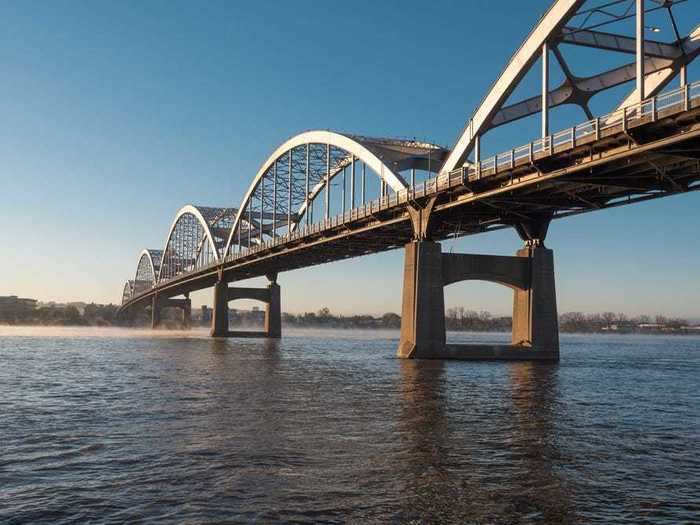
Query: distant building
x=13, y=308
x=206, y=314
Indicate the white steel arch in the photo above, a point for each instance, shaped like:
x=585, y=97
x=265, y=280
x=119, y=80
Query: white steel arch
x=214, y=223
x=128, y=292
x=553, y=20
x=195, y=211
x=386, y=158
x=147, y=271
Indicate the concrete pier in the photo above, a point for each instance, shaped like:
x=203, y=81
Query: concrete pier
x=219, y=317
x=530, y=274
x=155, y=312
x=423, y=301
x=158, y=303
x=187, y=313
x=273, y=312
x=270, y=295
x=535, y=319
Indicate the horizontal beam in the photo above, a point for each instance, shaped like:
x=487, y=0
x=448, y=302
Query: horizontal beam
x=506, y=270
x=660, y=67
x=620, y=43
x=256, y=294
x=578, y=91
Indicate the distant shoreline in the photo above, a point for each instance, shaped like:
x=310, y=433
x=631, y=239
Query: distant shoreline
x=27, y=312
x=506, y=331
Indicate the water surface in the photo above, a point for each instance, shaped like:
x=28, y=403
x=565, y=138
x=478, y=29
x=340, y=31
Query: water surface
x=115, y=426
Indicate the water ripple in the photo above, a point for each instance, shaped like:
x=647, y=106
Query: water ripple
x=115, y=427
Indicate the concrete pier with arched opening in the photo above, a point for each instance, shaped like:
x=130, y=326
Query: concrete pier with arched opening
x=530, y=273
x=270, y=295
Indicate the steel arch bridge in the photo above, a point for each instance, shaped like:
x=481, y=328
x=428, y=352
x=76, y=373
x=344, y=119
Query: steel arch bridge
x=324, y=195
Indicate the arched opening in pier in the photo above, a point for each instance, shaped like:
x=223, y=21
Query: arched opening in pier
x=478, y=307
x=246, y=315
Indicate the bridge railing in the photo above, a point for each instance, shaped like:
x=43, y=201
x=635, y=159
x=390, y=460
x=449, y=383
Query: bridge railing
x=648, y=110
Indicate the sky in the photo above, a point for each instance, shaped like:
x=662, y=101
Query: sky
x=113, y=115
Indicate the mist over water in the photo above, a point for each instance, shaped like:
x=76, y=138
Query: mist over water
x=133, y=425
x=63, y=332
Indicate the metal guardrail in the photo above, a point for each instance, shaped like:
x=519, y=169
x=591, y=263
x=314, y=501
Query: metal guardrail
x=648, y=110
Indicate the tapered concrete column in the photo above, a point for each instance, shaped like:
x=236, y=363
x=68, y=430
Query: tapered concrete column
x=155, y=312
x=127, y=317
x=187, y=314
x=535, y=322
x=219, y=319
x=423, y=303
x=273, y=312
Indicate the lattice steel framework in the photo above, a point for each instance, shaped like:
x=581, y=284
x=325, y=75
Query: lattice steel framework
x=128, y=292
x=319, y=173
x=196, y=239
x=578, y=23
x=282, y=198
x=147, y=271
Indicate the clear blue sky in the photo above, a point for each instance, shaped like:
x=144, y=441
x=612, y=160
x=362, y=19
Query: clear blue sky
x=115, y=114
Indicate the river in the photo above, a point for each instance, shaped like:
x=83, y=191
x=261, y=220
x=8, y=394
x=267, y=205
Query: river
x=327, y=426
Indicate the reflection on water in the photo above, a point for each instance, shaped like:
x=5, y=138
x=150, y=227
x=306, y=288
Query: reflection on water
x=535, y=394
x=424, y=432
x=443, y=481
x=328, y=426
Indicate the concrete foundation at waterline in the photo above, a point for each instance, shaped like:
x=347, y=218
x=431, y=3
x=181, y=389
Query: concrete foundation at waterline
x=530, y=274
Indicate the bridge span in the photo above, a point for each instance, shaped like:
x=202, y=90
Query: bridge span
x=323, y=196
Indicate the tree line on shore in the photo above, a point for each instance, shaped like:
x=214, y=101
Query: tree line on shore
x=610, y=321
x=64, y=315
x=456, y=319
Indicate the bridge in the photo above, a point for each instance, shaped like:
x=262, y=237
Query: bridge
x=324, y=196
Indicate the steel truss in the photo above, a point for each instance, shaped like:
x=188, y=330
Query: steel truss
x=196, y=239
x=579, y=23
x=318, y=174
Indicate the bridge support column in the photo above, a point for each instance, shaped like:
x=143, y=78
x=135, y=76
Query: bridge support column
x=269, y=295
x=535, y=334
x=273, y=312
x=187, y=313
x=155, y=312
x=535, y=320
x=219, y=318
x=423, y=302
x=158, y=303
